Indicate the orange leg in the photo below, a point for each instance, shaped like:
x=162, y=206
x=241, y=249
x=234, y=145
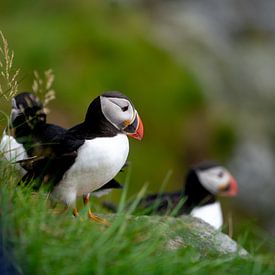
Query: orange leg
x=91, y=215
x=86, y=199
x=75, y=212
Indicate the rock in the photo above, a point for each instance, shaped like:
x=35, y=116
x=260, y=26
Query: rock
x=186, y=231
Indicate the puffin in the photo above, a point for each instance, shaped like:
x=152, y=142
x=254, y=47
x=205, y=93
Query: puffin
x=28, y=134
x=89, y=155
x=27, y=113
x=203, y=183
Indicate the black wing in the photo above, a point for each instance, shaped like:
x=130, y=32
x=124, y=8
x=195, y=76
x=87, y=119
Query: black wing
x=42, y=140
x=106, y=188
x=57, y=154
x=160, y=203
x=46, y=170
x=112, y=184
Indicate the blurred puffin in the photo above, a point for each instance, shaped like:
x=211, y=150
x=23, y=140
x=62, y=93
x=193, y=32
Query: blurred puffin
x=28, y=131
x=199, y=197
x=90, y=154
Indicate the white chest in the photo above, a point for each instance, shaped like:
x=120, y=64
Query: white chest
x=97, y=162
x=210, y=213
x=12, y=150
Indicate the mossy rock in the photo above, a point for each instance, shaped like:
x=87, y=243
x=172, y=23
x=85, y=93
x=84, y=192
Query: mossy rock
x=184, y=232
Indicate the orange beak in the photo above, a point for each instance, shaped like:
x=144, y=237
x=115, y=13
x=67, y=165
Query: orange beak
x=135, y=129
x=232, y=189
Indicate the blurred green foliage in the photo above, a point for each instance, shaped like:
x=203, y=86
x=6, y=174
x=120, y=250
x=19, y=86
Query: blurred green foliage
x=94, y=46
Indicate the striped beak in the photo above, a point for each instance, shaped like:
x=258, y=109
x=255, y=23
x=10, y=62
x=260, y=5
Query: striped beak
x=135, y=129
x=231, y=189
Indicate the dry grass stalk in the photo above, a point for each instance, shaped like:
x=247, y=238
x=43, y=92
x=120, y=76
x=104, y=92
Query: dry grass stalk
x=42, y=87
x=8, y=76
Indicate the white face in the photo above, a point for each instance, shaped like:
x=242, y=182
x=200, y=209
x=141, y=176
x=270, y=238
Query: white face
x=118, y=111
x=214, y=179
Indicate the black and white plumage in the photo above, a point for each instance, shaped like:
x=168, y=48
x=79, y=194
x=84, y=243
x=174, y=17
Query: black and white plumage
x=90, y=154
x=199, y=197
x=28, y=134
x=10, y=148
x=27, y=111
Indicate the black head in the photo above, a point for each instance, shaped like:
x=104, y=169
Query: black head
x=27, y=112
x=112, y=113
x=207, y=179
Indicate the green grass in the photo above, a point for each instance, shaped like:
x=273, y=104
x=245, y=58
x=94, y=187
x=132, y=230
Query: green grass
x=42, y=241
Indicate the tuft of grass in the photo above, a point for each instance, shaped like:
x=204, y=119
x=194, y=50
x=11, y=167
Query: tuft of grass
x=36, y=239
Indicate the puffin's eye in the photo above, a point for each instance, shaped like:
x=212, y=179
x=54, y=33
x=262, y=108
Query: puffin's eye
x=220, y=175
x=125, y=108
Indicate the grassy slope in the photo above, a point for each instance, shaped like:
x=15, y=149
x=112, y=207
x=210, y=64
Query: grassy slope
x=45, y=242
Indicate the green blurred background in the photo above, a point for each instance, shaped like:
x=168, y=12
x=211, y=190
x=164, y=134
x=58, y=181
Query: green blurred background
x=96, y=46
